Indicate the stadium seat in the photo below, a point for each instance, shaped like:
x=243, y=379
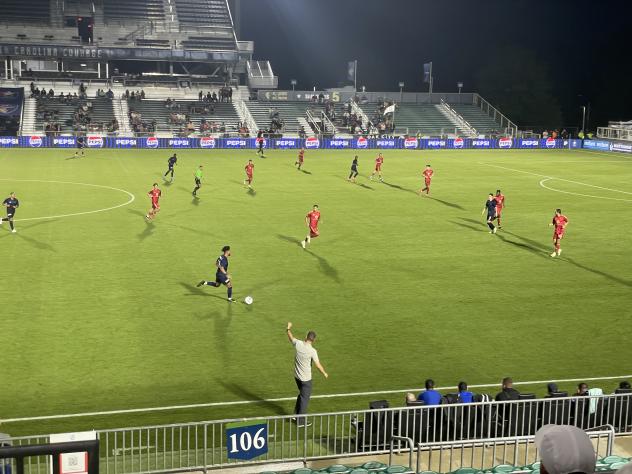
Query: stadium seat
x=338, y=469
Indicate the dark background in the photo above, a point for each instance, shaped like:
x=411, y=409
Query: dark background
x=537, y=61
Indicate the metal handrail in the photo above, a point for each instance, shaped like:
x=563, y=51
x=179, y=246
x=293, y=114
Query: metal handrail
x=510, y=127
x=411, y=448
x=243, y=110
x=312, y=120
x=459, y=118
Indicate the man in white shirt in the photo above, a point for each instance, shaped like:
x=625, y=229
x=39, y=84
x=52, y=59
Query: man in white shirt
x=305, y=355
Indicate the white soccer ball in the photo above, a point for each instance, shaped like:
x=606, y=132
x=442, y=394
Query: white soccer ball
x=248, y=300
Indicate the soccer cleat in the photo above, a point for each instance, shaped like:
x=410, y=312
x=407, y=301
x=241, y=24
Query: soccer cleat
x=14, y=231
x=559, y=251
x=494, y=230
x=202, y=283
x=309, y=239
x=231, y=300
x=553, y=254
x=303, y=243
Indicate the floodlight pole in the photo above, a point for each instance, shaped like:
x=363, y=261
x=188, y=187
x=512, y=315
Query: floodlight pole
x=584, y=119
x=355, y=75
x=431, y=80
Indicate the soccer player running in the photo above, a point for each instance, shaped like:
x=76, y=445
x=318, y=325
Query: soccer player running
x=560, y=221
x=500, y=205
x=311, y=220
x=81, y=144
x=221, y=275
x=250, y=167
x=354, y=170
x=301, y=157
x=490, y=207
x=260, y=142
x=198, y=180
x=428, y=173
x=171, y=162
x=154, y=194
x=11, y=203
x=378, y=167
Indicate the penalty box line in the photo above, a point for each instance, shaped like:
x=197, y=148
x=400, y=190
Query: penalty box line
x=287, y=399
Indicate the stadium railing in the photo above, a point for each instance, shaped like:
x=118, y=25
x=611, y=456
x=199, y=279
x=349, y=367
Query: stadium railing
x=202, y=445
x=615, y=133
x=510, y=128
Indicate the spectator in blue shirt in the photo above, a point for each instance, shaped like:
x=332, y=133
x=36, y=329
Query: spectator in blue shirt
x=465, y=396
x=430, y=396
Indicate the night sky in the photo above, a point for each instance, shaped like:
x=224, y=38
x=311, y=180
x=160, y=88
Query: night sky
x=582, y=51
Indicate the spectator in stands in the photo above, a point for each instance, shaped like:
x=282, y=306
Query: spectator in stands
x=142, y=95
x=464, y=395
x=430, y=396
x=625, y=385
x=214, y=96
x=582, y=389
x=109, y=94
x=126, y=94
x=565, y=449
x=200, y=96
x=32, y=87
x=507, y=392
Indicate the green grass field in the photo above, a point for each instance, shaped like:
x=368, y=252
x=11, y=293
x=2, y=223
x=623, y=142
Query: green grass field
x=100, y=311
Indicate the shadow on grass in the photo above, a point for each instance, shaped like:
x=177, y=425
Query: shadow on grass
x=34, y=242
x=595, y=271
x=447, y=203
x=148, y=232
x=324, y=266
x=195, y=291
x=365, y=186
x=195, y=201
x=247, y=394
x=398, y=187
x=251, y=192
x=468, y=226
x=305, y=171
x=291, y=240
x=524, y=246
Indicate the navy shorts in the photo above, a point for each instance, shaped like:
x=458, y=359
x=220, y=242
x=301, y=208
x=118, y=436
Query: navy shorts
x=491, y=217
x=221, y=278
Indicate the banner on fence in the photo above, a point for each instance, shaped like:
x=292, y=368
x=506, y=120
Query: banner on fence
x=246, y=440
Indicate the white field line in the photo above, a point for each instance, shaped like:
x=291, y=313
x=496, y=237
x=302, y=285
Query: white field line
x=579, y=194
x=557, y=179
x=129, y=201
x=287, y=399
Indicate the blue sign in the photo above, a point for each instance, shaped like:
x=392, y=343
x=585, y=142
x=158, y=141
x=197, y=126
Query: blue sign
x=481, y=143
x=386, y=143
x=339, y=143
x=9, y=142
x=436, y=143
x=246, y=441
x=528, y=143
x=236, y=143
x=597, y=145
x=624, y=147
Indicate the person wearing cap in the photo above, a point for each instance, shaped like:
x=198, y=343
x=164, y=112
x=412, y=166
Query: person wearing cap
x=565, y=449
x=507, y=392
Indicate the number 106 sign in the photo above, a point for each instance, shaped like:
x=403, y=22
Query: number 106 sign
x=246, y=440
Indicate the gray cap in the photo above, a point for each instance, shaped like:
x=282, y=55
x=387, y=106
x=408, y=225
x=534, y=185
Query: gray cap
x=565, y=449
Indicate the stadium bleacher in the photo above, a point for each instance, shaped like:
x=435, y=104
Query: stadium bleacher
x=55, y=110
x=425, y=119
x=291, y=113
x=136, y=11
x=157, y=110
x=34, y=11
x=212, y=43
x=483, y=123
x=200, y=13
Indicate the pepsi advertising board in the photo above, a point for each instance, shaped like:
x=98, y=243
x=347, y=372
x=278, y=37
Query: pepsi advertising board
x=338, y=143
x=312, y=143
x=436, y=143
x=236, y=143
x=177, y=142
x=9, y=142
x=386, y=143
x=287, y=143
x=125, y=142
x=481, y=143
x=528, y=143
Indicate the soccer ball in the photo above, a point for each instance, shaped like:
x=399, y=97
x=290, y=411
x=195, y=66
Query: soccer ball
x=248, y=300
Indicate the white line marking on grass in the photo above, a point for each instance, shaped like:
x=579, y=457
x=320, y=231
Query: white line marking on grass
x=559, y=179
x=287, y=399
x=131, y=198
x=580, y=194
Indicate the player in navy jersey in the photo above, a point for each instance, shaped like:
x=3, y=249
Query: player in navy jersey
x=171, y=162
x=354, y=170
x=11, y=203
x=221, y=275
x=490, y=207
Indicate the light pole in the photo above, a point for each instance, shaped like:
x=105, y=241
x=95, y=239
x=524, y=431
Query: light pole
x=401, y=91
x=293, y=82
x=459, y=85
x=584, y=119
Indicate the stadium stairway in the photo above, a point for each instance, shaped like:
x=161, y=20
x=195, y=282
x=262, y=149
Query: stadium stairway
x=29, y=114
x=425, y=119
x=121, y=111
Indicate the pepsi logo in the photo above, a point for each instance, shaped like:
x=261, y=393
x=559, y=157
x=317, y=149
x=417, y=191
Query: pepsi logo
x=505, y=143
x=458, y=142
x=362, y=142
x=207, y=142
x=550, y=142
x=411, y=143
x=35, y=141
x=312, y=142
x=152, y=142
x=95, y=142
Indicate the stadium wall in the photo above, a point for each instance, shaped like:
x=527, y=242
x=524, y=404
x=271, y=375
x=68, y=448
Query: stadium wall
x=359, y=143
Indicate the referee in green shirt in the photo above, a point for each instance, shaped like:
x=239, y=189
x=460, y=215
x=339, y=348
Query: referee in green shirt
x=198, y=180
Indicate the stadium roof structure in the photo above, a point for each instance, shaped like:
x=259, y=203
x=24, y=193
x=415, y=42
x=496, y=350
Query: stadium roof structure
x=198, y=36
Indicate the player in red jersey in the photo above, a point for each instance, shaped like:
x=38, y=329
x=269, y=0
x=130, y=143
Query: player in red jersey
x=428, y=174
x=250, y=167
x=154, y=194
x=500, y=205
x=311, y=220
x=301, y=157
x=378, y=167
x=560, y=221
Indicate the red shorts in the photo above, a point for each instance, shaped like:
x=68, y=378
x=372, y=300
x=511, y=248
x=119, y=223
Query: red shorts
x=427, y=181
x=557, y=235
x=249, y=176
x=155, y=205
x=300, y=159
x=378, y=167
x=499, y=211
x=313, y=232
